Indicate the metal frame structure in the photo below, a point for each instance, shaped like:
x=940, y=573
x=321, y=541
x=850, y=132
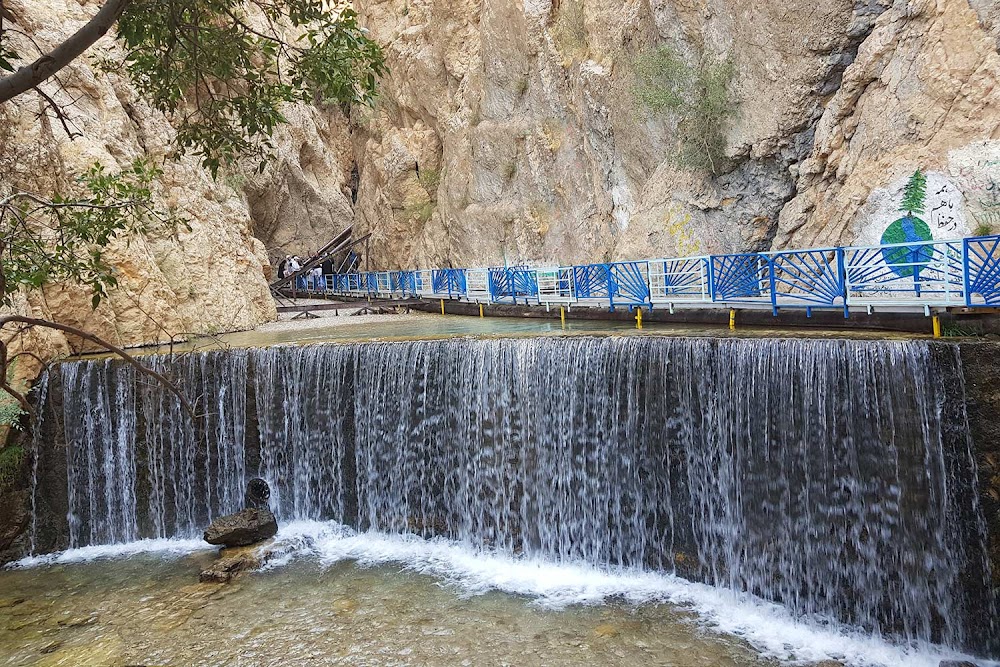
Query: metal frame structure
x=912, y=276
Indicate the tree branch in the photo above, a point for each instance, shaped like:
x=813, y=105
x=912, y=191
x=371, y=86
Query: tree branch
x=6, y=386
x=129, y=359
x=29, y=76
x=60, y=114
x=45, y=203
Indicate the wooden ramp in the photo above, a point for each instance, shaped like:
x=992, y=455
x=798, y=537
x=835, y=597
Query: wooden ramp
x=306, y=309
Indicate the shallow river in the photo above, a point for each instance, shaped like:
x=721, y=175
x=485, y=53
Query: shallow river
x=335, y=598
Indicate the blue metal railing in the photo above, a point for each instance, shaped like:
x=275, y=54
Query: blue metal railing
x=509, y=284
x=909, y=276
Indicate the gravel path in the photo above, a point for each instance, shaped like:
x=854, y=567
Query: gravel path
x=331, y=318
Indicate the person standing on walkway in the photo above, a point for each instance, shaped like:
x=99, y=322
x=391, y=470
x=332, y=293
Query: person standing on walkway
x=294, y=266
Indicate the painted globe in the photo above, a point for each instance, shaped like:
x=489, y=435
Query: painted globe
x=907, y=261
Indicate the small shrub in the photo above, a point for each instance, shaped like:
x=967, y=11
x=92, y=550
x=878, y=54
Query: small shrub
x=510, y=171
x=10, y=465
x=570, y=31
x=982, y=229
x=421, y=211
x=430, y=179
x=236, y=180
x=522, y=86
x=662, y=80
x=10, y=411
x=553, y=134
x=701, y=95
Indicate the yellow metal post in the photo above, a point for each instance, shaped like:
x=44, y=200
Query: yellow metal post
x=937, y=325
x=638, y=318
x=562, y=316
x=481, y=310
x=732, y=319
x=442, y=306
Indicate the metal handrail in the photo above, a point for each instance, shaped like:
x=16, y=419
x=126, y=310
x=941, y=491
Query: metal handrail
x=912, y=275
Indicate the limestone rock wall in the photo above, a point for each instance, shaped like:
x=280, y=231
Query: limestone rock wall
x=172, y=281
x=527, y=118
x=923, y=92
x=511, y=130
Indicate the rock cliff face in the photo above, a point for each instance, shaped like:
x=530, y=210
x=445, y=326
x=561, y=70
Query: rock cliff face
x=512, y=131
x=208, y=278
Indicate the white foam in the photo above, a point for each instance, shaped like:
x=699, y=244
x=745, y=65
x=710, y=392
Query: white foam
x=769, y=628
x=162, y=546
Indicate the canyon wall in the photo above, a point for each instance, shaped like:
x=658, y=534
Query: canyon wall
x=209, y=276
x=513, y=131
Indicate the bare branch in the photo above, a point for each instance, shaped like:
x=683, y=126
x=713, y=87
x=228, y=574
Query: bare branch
x=59, y=113
x=45, y=203
x=6, y=386
x=110, y=347
x=29, y=76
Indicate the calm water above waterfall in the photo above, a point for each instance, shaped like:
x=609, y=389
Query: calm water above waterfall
x=829, y=476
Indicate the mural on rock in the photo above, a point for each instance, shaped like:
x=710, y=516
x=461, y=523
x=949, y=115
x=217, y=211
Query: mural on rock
x=940, y=215
x=976, y=168
x=961, y=200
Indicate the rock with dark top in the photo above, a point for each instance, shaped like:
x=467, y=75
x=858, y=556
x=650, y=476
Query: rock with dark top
x=957, y=663
x=242, y=529
x=234, y=562
x=257, y=495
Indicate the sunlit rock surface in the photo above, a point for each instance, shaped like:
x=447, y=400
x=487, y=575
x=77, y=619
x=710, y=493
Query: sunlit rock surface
x=513, y=132
x=209, y=278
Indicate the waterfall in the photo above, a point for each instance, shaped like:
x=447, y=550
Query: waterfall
x=818, y=473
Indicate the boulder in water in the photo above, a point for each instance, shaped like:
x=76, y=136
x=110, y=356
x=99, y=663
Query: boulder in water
x=234, y=562
x=242, y=529
x=957, y=663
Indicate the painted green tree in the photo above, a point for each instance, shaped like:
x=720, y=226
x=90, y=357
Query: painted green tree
x=914, y=194
x=904, y=260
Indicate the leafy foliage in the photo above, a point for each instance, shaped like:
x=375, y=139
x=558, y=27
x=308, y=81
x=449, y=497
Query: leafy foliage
x=570, y=31
x=914, y=194
x=6, y=56
x=663, y=80
x=10, y=462
x=701, y=95
x=223, y=73
x=10, y=411
x=982, y=229
x=65, y=238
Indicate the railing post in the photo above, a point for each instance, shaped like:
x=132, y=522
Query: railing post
x=773, y=285
x=706, y=279
x=611, y=287
x=947, y=273
x=649, y=287
x=711, y=277
x=842, y=279
x=966, y=274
